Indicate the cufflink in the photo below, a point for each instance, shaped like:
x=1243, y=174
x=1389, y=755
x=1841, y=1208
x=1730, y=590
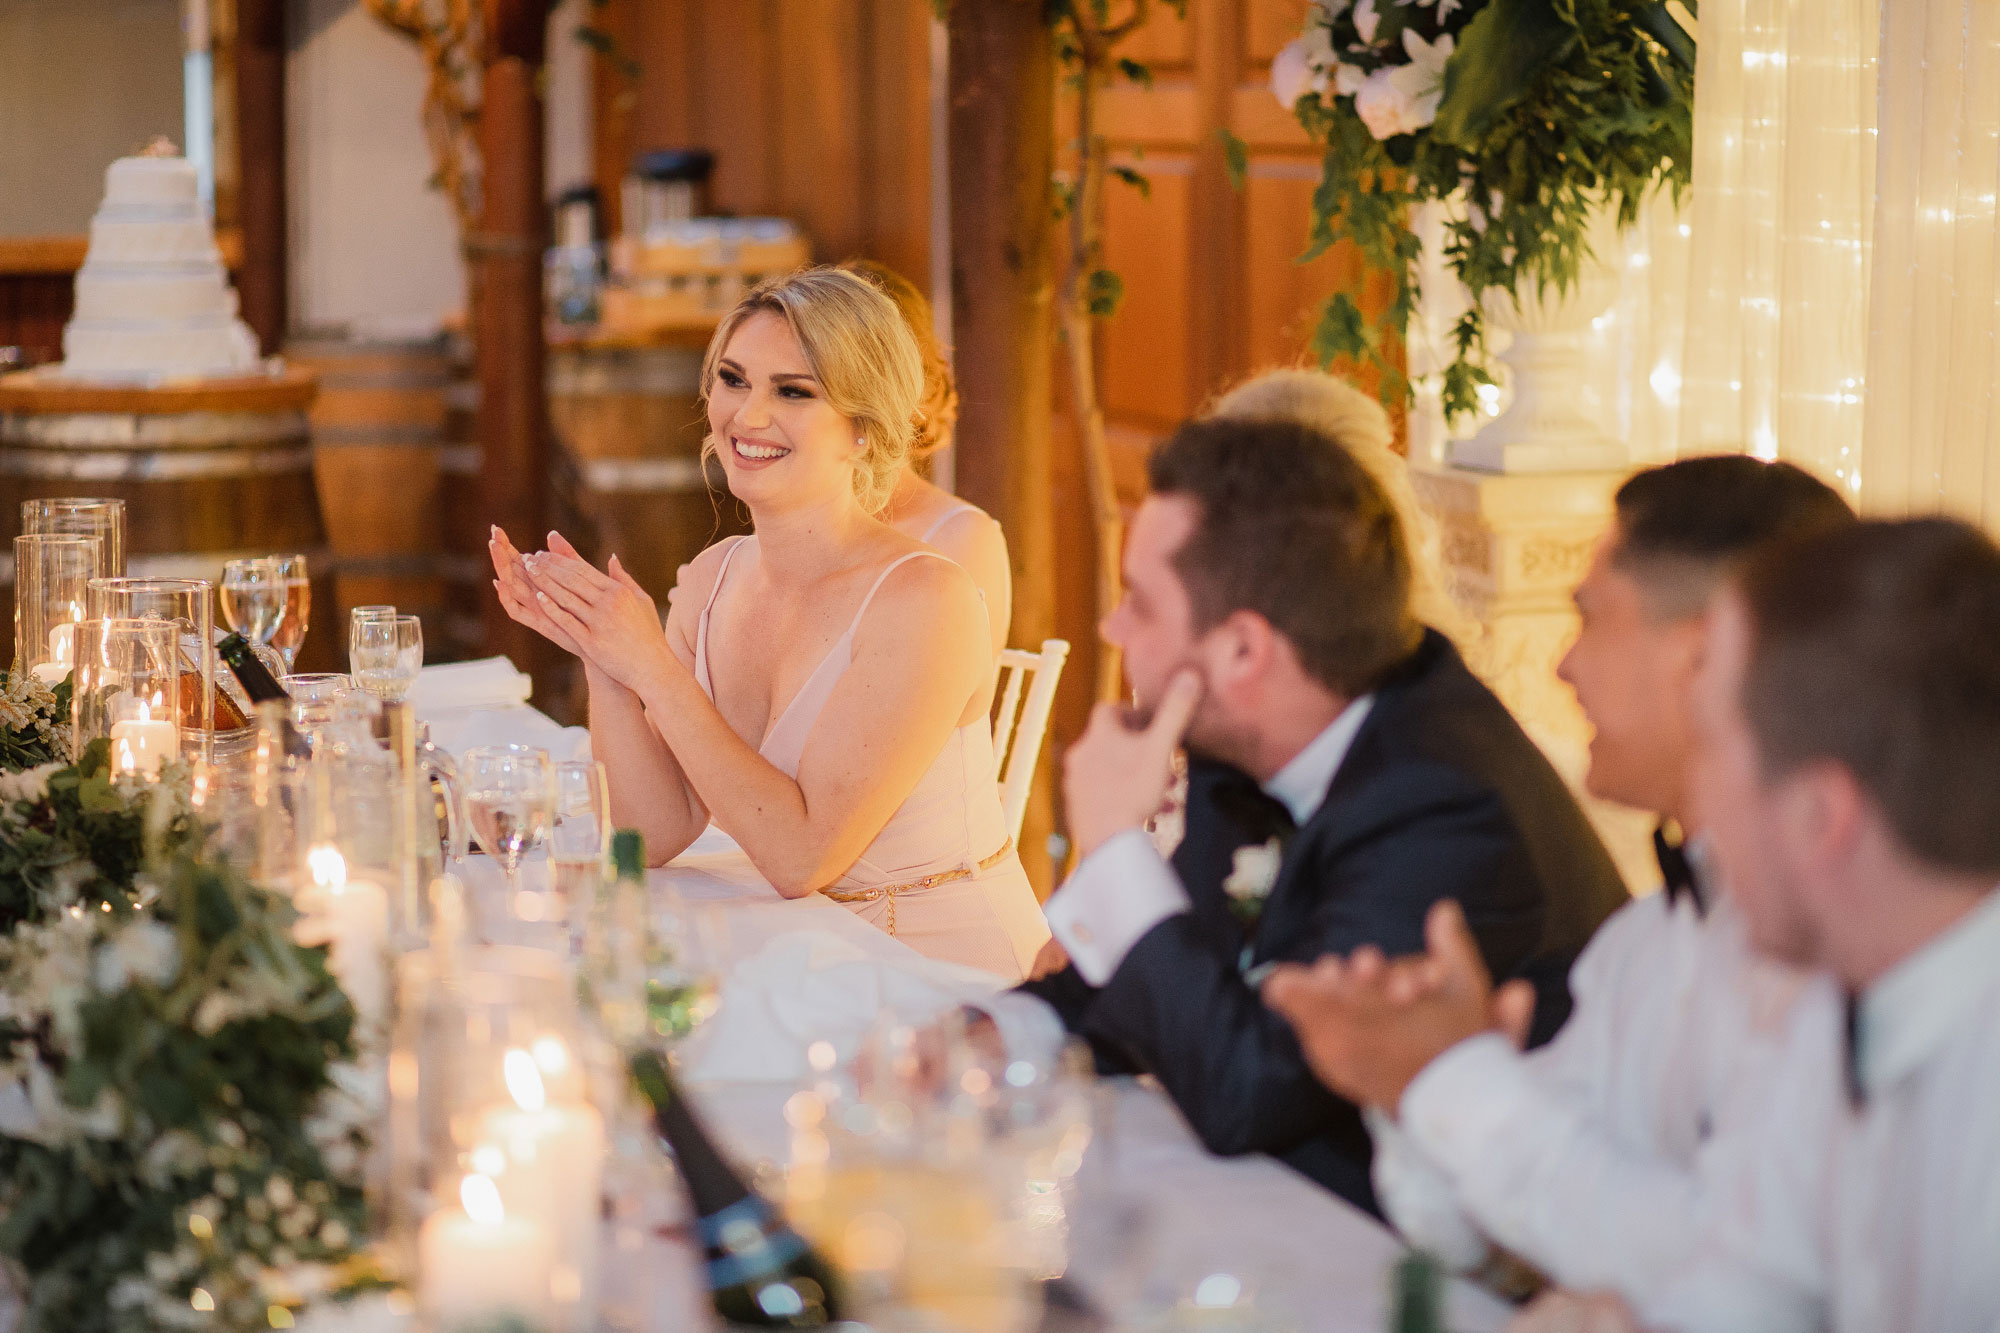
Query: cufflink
x=1082, y=933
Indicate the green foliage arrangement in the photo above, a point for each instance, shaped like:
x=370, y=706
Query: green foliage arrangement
x=182, y=1122
x=1533, y=113
x=72, y=837
x=181, y=1129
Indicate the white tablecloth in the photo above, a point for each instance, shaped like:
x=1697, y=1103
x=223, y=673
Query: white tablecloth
x=1314, y=1261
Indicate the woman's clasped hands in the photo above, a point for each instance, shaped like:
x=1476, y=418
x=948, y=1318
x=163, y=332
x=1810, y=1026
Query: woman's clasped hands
x=603, y=616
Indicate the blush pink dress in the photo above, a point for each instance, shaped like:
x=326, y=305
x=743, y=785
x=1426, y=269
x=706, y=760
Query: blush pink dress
x=942, y=876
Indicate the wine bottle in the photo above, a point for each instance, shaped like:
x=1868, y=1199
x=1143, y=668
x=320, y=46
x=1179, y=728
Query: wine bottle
x=252, y=674
x=761, y=1273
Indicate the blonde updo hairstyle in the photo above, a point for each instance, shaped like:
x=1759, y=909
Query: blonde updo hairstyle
x=937, y=414
x=859, y=349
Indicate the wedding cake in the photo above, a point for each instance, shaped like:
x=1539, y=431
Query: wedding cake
x=152, y=300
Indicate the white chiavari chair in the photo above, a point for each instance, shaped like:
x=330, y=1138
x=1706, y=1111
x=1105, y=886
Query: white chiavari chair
x=1021, y=720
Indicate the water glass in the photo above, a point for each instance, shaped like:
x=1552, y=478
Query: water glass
x=510, y=796
x=316, y=700
x=298, y=607
x=254, y=598
x=580, y=837
x=387, y=655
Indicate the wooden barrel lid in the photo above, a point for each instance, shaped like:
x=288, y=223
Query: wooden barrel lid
x=40, y=393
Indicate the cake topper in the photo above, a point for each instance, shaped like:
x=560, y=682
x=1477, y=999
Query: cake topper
x=161, y=146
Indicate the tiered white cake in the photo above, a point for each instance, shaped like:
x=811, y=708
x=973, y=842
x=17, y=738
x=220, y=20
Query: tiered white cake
x=152, y=300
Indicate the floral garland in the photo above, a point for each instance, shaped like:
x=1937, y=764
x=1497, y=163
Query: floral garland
x=182, y=1119
x=1534, y=113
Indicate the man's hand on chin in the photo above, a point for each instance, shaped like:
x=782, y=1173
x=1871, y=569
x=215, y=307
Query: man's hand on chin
x=1369, y=1025
x=1115, y=777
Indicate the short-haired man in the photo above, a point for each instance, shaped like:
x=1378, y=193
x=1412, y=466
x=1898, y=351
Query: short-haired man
x=1848, y=777
x=1587, y=1158
x=1346, y=772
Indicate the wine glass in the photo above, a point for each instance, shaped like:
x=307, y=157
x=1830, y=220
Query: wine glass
x=580, y=837
x=254, y=597
x=386, y=655
x=298, y=608
x=510, y=795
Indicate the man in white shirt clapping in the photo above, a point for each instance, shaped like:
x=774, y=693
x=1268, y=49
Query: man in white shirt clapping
x=1597, y=1159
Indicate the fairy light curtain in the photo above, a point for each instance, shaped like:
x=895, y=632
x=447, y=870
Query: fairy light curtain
x=1932, y=437
x=1783, y=201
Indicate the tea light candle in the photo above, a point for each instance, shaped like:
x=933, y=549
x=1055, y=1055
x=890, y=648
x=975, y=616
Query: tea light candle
x=555, y=1171
x=477, y=1262
x=351, y=916
x=141, y=744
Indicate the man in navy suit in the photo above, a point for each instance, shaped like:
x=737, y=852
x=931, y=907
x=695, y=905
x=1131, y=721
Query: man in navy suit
x=1346, y=772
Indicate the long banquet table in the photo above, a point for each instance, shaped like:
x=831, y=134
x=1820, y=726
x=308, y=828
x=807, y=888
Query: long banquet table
x=1310, y=1260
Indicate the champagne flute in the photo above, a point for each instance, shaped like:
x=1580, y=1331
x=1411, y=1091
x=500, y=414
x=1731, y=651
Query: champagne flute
x=510, y=795
x=254, y=597
x=580, y=838
x=298, y=608
x=387, y=656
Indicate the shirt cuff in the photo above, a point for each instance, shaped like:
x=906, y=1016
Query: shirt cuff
x=1418, y=1200
x=1465, y=1098
x=1121, y=891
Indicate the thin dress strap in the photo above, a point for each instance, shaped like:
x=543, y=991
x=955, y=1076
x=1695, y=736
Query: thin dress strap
x=701, y=676
x=962, y=507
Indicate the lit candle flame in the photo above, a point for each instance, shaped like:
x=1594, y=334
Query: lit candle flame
x=524, y=1081
x=551, y=1056
x=327, y=866
x=481, y=1198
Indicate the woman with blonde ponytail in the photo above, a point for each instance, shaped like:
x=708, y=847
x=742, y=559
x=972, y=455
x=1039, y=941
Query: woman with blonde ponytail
x=821, y=690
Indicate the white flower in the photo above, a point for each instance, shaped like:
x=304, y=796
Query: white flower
x=1347, y=79
x=1301, y=67
x=30, y=784
x=1403, y=99
x=1252, y=872
x=1366, y=19
x=144, y=951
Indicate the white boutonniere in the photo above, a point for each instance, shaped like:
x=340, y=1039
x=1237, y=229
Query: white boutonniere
x=1253, y=870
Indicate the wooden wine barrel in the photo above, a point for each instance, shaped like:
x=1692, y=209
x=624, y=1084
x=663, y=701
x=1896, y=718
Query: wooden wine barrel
x=208, y=469
x=387, y=429
x=628, y=473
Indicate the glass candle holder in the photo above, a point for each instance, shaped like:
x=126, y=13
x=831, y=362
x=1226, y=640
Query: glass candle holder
x=52, y=577
x=126, y=690
x=188, y=605
x=81, y=517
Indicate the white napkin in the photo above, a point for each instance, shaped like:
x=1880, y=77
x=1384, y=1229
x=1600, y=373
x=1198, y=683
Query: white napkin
x=811, y=985
x=491, y=682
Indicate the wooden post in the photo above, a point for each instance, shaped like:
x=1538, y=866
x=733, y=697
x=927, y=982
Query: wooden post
x=260, y=140
x=505, y=257
x=1001, y=131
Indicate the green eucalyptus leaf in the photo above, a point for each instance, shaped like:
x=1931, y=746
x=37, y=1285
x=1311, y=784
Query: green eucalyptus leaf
x=1102, y=292
x=1495, y=63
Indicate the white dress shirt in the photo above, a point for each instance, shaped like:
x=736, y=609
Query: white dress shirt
x=1598, y=1157
x=1125, y=888
x=1906, y=1223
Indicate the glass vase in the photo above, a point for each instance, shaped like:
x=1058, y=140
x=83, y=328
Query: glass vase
x=125, y=690
x=77, y=516
x=52, y=577
x=187, y=604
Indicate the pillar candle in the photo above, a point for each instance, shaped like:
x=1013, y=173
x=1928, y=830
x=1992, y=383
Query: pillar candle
x=554, y=1172
x=478, y=1262
x=141, y=745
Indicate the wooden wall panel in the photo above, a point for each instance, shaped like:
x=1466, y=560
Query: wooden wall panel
x=817, y=110
x=1146, y=344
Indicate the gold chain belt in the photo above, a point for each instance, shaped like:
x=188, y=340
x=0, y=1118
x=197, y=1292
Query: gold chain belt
x=890, y=891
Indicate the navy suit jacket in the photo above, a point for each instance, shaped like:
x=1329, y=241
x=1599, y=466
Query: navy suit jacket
x=1440, y=796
